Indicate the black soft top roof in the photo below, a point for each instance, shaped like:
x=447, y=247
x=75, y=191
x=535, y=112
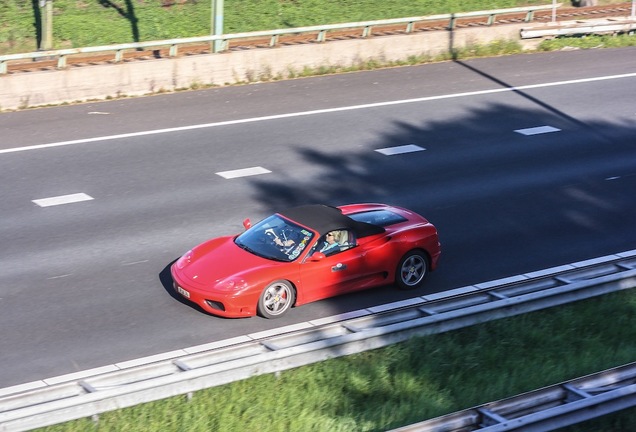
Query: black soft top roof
x=323, y=219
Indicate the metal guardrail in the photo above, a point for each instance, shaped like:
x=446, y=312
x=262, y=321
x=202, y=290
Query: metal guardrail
x=89, y=393
x=545, y=409
x=581, y=27
x=321, y=30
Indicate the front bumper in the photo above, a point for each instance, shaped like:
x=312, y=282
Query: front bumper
x=215, y=303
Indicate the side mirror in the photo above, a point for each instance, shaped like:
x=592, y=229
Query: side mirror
x=317, y=256
x=247, y=224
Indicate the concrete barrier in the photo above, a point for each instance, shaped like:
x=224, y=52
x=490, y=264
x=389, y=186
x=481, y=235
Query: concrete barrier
x=96, y=82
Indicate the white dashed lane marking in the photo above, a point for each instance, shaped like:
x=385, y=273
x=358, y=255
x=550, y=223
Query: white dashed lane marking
x=62, y=199
x=410, y=148
x=537, y=130
x=245, y=172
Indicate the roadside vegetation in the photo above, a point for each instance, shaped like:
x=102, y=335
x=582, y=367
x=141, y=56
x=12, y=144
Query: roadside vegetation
x=412, y=381
x=81, y=23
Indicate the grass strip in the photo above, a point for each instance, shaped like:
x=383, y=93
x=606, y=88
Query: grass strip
x=411, y=381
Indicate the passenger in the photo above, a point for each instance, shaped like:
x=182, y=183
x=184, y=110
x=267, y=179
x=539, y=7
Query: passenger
x=330, y=245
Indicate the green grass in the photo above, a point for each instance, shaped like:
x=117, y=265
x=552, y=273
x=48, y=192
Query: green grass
x=408, y=382
x=588, y=42
x=80, y=23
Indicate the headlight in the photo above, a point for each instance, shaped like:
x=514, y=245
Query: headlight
x=185, y=259
x=232, y=285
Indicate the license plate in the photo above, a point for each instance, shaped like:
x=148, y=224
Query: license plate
x=183, y=292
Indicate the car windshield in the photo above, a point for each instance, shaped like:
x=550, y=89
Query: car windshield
x=275, y=238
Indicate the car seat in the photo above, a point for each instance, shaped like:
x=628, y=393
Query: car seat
x=346, y=240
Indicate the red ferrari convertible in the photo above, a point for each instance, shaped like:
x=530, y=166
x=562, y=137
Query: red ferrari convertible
x=306, y=254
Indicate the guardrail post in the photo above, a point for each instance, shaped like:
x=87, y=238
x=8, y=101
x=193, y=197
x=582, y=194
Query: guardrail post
x=174, y=50
x=529, y=16
x=554, y=6
x=410, y=26
x=322, y=35
x=451, y=22
x=219, y=45
x=3, y=67
x=61, y=62
x=367, y=31
x=491, y=19
x=273, y=41
x=119, y=55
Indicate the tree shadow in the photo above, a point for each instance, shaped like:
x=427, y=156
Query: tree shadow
x=127, y=13
x=37, y=18
x=347, y=175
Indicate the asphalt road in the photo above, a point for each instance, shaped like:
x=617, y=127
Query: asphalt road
x=85, y=284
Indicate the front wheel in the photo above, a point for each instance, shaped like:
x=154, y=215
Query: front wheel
x=411, y=270
x=276, y=300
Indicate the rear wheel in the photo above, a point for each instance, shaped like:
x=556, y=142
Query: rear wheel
x=411, y=270
x=276, y=300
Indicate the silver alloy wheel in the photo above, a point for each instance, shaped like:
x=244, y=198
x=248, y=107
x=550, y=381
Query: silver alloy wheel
x=276, y=299
x=412, y=270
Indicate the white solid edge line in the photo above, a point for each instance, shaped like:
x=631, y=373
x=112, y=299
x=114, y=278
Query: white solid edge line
x=314, y=112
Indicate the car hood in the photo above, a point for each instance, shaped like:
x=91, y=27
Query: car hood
x=220, y=263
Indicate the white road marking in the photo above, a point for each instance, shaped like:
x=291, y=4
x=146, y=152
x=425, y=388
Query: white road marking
x=134, y=263
x=243, y=172
x=59, y=277
x=537, y=130
x=315, y=112
x=62, y=199
x=409, y=148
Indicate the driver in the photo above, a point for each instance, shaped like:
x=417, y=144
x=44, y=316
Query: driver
x=285, y=242
x=280, y=242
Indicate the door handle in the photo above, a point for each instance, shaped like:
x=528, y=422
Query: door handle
x=339, y=267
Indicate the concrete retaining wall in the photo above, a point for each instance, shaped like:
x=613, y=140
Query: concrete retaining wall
x=74, y=84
